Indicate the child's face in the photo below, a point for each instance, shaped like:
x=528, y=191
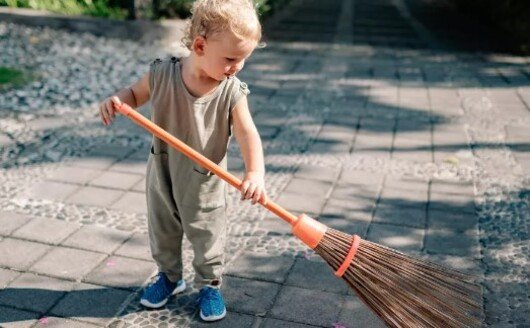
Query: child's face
x=223, y=54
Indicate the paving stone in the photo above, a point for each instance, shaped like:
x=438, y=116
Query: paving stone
x=76, y=175
x=308, y=187
x=249, y=296
x=136, y=247
x=359, y=200
x=357, y=177
x=141, y=154
x=351, y=221
x=122, y=272
x=316, y=275
x=130, y=166
x=232, y=319
x=343, y=132
x=12, y=318
x=116, y=180
x=46, y=230
x=458, y=188
x=323, y=309
x=406, y=216
x=34, y=293
x=452, y=242
x=452, y=202
x=6, y=276
x=355, y=193
x=10, y=221
x=356, y=314
x=524, y=160
x=57, y=322
x=91, y=162
x=404, y=183
x=392, y=198
x=517, y=135
x=20, y=254
x=94, y=196
x=328, y=147
x=274, y=226
x=413, y=156
x=458, y=221
x=301, y=203
x=260, y=267
x=67, y=263
x=382, y=142
x=403, y=239
x=51, y=190
x=91, y=303
x=140, y=186
x=97, y=239
x=135, y=202
x=110, y=150
x=275, y=323
x=308, y=171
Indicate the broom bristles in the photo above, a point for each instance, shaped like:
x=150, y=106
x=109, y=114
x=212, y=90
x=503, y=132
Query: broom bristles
x=402, y=290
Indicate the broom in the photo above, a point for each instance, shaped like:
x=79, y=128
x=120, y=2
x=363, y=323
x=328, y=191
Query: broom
x=403, y=291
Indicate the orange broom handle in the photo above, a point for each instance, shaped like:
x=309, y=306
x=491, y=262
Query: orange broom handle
x=199, y=158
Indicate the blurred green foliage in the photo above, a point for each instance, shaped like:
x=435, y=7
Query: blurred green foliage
x=118, y=8
x=512, y=16
x=11, y=77
x=99, y=8
x=181, y=8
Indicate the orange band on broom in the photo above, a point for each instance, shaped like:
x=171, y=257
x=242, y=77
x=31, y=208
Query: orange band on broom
x=349, y=257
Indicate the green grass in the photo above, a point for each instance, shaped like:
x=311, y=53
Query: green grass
x=12, y=77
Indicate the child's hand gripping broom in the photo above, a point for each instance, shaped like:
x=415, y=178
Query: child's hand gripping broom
x=403, y=291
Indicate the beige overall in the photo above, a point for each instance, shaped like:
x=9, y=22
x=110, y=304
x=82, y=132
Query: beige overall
x=182, y=197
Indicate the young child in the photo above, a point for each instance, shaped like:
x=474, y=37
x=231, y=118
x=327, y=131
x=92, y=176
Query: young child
x=199, y=100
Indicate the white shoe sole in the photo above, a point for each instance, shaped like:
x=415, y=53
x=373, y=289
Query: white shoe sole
x=179, y=289
x=213, y=317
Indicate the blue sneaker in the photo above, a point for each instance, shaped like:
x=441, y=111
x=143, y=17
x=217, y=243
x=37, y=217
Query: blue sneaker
x=211, y=304
x=157, y=294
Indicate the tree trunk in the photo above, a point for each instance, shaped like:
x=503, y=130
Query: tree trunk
x=143, y=9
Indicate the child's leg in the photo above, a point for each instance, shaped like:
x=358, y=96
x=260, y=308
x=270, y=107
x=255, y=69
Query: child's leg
x=164, y=224
x=206, y=230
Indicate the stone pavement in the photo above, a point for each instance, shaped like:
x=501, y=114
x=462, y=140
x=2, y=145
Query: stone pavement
x=368, y=122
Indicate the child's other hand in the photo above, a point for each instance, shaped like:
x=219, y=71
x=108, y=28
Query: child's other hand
x=107, y=111
x=253, y=187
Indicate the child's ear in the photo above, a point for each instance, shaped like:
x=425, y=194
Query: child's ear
x=198, y=45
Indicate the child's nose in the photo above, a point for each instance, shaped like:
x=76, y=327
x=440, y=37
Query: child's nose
x=239, y=66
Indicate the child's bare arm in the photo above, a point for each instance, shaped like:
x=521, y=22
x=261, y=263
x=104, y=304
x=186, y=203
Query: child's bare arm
x=135, y=96
x=250, y=144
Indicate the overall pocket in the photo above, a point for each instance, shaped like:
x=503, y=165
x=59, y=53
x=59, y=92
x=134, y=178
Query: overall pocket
x=157, y=176
x=204, y=190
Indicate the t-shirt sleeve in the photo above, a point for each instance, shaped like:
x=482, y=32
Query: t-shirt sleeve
x=239, y=91
x=160, y=72
x=154, y=72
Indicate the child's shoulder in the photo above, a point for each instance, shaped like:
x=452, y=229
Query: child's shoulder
x=235, y=85
x=164, y=62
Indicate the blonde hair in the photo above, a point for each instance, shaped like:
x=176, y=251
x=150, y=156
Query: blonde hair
x=213, y=16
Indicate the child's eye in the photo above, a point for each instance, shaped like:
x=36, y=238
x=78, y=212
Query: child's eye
x=230, y=59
